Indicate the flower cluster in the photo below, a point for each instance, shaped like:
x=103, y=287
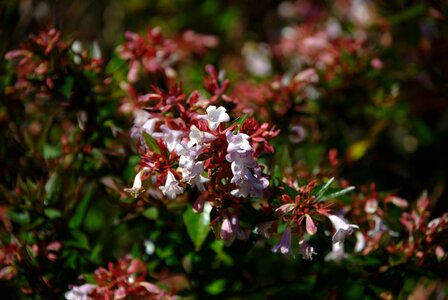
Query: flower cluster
x=156, y=54
x=124, y=280
x=306, y=208
x=424, y=240
x=41, y=62
x=9, y=256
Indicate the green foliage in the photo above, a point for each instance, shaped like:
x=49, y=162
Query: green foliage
x=197, y=225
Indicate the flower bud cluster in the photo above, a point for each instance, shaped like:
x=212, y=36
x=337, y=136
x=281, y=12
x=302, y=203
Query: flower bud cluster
x=123, y=280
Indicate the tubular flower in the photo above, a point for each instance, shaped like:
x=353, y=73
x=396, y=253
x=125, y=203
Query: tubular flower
x=215, y=116
x=342, y=229
x=246, y=173
x=337, y=253
x=137, y=188
x=198, y=137
x=230, y=229
x=285, y=243
x=306, y=250
x=171, y=188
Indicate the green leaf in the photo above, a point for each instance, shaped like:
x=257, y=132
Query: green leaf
x=216, y=287
x=95, y=256
x=239, y=122
x=67, y=87
x=412, y=12
x=80, y=211
x=337, y=193
x=52, y=186
x=151, y=143
x=198, y=225
x=79, y=240
x=52, y=213
x=49, y=151
x=21, y=218
x=151, y=213
x=320, y=192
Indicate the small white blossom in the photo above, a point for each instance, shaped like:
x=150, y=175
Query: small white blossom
x=80, y=292
x=306, y=250
x=371, y=206
x=230, y=229
x=137, y=188
x=360, y=242
x=198, y=137
x=187, y=155
x=195, y=178
x=171, y=137
x=215, y=116
x=342, y=228
x=337, y=253
x=238, y=142
x=171, y=188
x=380, y=227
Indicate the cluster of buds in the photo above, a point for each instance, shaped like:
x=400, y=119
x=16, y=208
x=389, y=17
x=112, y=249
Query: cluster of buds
x=157, y=54
x=371, y=212
x=40, y=61
x=16, y=263
x=9, y=257
x=277, y=97
x=425, y=237
x=414, y=235
x=124, y=280
x=302, y=215
x=306, y=46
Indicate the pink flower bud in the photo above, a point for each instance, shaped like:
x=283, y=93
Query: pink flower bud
x=311, y=228
x=284, y=209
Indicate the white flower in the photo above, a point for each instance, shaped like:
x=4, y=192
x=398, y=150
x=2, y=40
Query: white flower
x=337, y=253
x=379, y=228
x=171, y=188
x=171, y=137
x=143, y=121
x=246, y=173
x=257, y=59
x=215, y=116
x=250, y=185
x=230, y=229
x=198, y=137
x=137, y=188
x=241, y=160
x=187, y=155
x=342, y=229
x=80, y=292
x=238, y=142
x=371, y=206
x=306, y=250
x=360, y=242
x=195, y=178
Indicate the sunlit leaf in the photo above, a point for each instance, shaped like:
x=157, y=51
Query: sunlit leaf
x=151, y=143
x=320, y=192
x=337, y=193
x=198, y=225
